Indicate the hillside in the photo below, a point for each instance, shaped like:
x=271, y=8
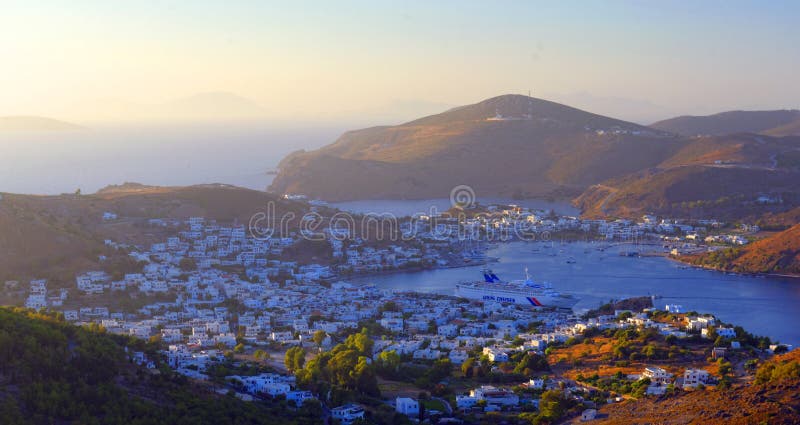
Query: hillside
x=52, y=372
x=719, y=176
x=54, y=236
x=774, y=398
x=505, y=146
x=33, y=123
x=779, y=253
x=520, y=147
x=776, y=123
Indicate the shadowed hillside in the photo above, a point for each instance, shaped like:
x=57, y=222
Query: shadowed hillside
x=776, y=123
x=720, y=176
x=56, y=373
x=505, y=146
x=54, y=236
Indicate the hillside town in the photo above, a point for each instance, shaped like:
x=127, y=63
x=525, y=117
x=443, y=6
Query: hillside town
x=223, y=293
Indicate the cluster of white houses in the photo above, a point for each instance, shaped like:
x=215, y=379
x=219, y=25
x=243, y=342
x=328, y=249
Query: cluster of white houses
x=283, y=302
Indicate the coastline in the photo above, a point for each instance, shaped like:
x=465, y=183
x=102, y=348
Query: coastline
x=750, y=274
x=341, y=278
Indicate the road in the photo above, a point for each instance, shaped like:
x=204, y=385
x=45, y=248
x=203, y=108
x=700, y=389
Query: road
x=446, y=405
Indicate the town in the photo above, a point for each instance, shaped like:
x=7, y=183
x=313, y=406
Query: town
x=231, y=310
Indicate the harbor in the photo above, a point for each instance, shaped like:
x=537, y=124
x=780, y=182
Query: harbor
x=597, y=276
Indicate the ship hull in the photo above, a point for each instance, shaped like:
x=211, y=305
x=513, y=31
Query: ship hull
x=526, y=298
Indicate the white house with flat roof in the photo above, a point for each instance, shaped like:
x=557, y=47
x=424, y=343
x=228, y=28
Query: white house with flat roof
x=494, y=395
x=407, y=406
x=656, y=374
x=694, y=377
x=348, y=413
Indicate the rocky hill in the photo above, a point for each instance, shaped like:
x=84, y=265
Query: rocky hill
x=505, y=146
x=777, y=123
x=773, y=398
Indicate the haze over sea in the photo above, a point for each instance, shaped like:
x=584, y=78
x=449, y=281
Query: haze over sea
x=61, y=162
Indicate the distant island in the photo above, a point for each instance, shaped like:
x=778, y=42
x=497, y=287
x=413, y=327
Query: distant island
x=34, y=123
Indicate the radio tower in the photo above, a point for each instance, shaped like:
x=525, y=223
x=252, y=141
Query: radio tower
x=530, y=106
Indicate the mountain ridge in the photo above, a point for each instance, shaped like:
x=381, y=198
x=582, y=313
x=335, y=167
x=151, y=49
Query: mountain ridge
x=33, y=123
x=533, y=141
x=781, y=122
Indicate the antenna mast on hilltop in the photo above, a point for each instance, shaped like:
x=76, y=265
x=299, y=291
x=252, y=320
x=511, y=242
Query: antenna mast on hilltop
x=530, y=106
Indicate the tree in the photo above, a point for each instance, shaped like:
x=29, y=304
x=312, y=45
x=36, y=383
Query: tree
x=366, y=381
x=261, y=355
x=319, y=337
x=310, y=412
x=466, y=367
x=239, y=348
x=553, y=405
x=388, y=363
x=441, y=369
x=360, y=342
x=389, y=306
x=187, y=264
x=294, y=359
x=529, y=363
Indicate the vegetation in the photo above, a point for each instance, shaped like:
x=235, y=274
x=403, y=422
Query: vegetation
x=553, y=406
x=294, y=359
x=779, y=253
x=778, y=371
x=52, y=372
x=344, y=370
x=618, y=383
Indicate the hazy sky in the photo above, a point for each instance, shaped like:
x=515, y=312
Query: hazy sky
x=311, y=60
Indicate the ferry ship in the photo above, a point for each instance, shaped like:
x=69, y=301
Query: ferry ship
x=523, y=292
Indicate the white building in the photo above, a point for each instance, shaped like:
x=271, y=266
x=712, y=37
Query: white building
x=458, y=356
x=299, y=397
x=348, y=413
x=465, y=401
x=536, y=383
x=407, y=406
x=657, y=375
x=493, y=395
x=495, y=355
x=694, y=377
x=588, y=415
x=392, y=324
x=726, y=332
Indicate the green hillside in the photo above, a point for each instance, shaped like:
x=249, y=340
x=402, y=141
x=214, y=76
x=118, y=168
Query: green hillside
x=55, y=373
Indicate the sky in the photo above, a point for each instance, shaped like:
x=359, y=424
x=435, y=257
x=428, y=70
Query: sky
x=315, y=61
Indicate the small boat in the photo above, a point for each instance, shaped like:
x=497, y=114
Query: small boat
x=571, y=260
